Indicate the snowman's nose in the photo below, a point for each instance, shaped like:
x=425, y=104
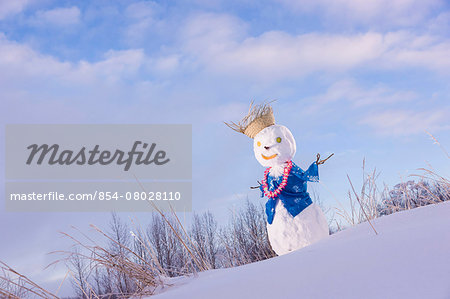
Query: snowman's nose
x=267, y=147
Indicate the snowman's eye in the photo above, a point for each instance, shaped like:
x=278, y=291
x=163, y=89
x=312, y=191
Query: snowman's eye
x=278, y=139
x=258, y=143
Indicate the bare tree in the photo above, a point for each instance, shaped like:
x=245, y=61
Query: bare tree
x=122, y=239
x=204, y=234
x=166, y=244
x=167, y=249
x=81, y=274
x=10, y=287
x=409, y=195
x=246, y=240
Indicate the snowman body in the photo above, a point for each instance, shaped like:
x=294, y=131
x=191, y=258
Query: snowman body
x=287, y=233
x=293, y=220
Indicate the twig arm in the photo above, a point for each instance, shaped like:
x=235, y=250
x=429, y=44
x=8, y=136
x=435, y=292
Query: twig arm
x=319, y=162
x=256, y=187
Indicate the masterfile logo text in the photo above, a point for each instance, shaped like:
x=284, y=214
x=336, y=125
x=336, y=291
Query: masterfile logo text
x=98, y=167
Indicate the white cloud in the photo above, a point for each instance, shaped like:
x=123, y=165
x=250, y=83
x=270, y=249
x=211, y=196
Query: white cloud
x=210, y=33
x=35, y=85
x=220, y=44
x=441, y=23
x=410, y=50
x=19, y=63
x=141, y=10
x=348, y=90
x=167, y=64
x=115, y=66
x=11, y=7
x=142, y=18
x=386, y=110
x=407, y=122
x=277, y=54
x=61, y=16
x=377, y=13
x=16, y=58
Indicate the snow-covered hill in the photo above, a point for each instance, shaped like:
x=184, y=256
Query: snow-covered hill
x=409, y=258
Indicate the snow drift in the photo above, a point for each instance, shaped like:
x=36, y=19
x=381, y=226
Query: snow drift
x=409, y=258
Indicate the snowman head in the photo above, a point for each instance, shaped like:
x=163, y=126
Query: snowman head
x=274, y=145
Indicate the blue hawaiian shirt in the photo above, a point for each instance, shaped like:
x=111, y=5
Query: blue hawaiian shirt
x=294, y=195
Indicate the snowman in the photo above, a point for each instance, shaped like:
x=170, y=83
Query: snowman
x=293, y=220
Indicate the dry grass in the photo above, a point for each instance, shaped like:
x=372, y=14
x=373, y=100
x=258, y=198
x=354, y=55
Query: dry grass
x=431, y=188
x=245, y=242
x=372, y=202
x=143, y=275
x=16, y=286
x=142, y=270
x=363, y=206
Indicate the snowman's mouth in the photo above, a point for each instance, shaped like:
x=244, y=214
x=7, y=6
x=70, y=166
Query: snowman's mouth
x=269, y=157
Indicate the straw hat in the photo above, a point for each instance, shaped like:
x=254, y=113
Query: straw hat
x=257, y=118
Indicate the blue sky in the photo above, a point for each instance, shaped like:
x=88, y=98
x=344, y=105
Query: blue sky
x=362, y=79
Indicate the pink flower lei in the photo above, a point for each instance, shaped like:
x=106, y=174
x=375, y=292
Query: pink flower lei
x=276, y=192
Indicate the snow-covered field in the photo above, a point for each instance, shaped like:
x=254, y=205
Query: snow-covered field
x=409, y=258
